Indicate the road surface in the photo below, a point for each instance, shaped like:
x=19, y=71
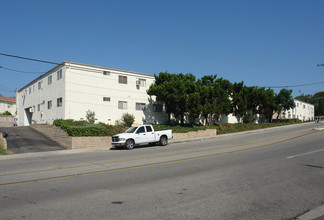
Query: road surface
x=275, y=173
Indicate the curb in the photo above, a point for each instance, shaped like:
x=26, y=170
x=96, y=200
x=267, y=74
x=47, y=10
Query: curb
x=315, y=213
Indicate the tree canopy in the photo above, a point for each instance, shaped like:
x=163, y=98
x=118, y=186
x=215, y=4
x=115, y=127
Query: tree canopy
x=187, y=98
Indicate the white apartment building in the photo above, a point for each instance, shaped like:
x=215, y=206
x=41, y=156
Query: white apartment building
x=8, y=104
x=70, y=89
x=302, y=111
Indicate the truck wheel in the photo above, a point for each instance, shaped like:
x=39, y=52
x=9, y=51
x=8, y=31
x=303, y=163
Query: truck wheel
x=130, y=144
x=163, y=141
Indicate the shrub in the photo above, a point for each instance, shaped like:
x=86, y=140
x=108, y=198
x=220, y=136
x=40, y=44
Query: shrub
x=6, y=113
x=127, y=119
x=90, y=115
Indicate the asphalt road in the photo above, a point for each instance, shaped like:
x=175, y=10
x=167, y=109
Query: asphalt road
x=270, y=174
x=26, y=140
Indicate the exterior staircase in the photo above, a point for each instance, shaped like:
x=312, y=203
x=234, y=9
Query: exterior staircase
x=55, y=133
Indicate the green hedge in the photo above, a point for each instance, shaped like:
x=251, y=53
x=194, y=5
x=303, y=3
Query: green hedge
x=83, y=128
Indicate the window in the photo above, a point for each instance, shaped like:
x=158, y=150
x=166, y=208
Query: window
x=304, y=106
x=59, y=74
x=38, y=107
x=122, y=105
x=141, y=82
x=29, y=90
x=157, y=108
x=33, y=88
x=140, y=106
x=297, y=104
x=141, y=130
x=106, y=99
x=49, y=80
x=122, y=79
x=59, y=102
x=106, y=73
x=49, y=104
x=148, y=128
x=39, y=85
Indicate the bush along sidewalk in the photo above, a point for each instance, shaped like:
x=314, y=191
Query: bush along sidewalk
x=84, y=128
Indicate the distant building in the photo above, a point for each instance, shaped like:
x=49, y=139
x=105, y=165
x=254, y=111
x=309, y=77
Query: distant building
x=70, y=89
x=303, y=111
x=8, y=104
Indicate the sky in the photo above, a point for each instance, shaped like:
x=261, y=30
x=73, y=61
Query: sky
x=275, y=43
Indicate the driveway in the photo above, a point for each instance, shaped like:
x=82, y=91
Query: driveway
x=27, y=140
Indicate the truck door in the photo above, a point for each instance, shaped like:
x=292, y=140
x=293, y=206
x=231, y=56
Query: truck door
x=150, y=136
x=140, y=136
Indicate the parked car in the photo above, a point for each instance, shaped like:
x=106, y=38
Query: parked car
x=143, y=134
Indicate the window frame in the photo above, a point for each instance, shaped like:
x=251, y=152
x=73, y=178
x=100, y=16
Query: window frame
x=59, y=74
x=106, y=99
x=49, y=104
x=49, y=80
x=140, y=105
x=59, y=102
x=122, y=105
x=122, y=79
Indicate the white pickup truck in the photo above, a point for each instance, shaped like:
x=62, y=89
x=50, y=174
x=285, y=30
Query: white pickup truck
x=143, y=134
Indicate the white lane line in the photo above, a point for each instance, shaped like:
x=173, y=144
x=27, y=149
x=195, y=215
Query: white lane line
x=299, y=155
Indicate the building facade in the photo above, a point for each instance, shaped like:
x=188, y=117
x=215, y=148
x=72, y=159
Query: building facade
x=303, y=111
x=70, y=89
x=8, y=104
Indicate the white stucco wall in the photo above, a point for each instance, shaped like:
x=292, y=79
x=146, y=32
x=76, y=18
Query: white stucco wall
x=83, y=88
x=86, y=87
x=303, y=111
x=32, y=101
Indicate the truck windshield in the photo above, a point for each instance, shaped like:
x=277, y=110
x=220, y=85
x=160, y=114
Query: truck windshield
x=131, y=130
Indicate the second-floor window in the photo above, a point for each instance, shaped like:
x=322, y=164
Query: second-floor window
x=59, y=74
x=49, y=80
x=106, y=99
x=122, y=79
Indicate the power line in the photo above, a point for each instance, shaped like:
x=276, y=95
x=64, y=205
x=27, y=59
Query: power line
x=276, y=87
x=43, y=61
x=31, y=59
x=19, y=71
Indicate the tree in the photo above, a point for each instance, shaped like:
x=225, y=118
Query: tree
x=284, y=101
x=164, y=90
x=207, y=93
x=267, y=103
x=239, y=99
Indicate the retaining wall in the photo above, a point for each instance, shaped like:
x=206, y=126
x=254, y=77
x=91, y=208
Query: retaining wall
x=6, y=121
x=194, y=134
x=88, y=142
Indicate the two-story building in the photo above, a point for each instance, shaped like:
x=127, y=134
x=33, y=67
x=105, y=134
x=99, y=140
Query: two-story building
x=303, y=111
x=70, y=89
